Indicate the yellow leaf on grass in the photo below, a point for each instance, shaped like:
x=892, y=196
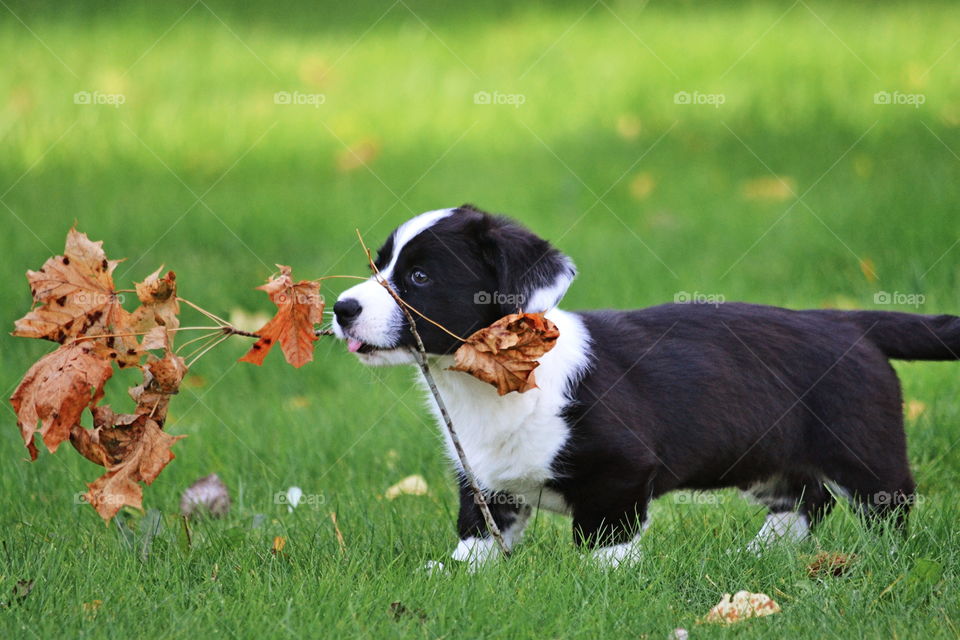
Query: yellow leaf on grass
x=770, y=188
x=915, y=409
x=868, y=270
x=409, y=486
x=642, y=185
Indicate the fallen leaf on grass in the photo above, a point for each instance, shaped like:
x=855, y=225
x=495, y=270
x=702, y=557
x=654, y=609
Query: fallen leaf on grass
x=915, y=409
x=409, y=486
x=399, y=611
x=772, y=188
x=742, y=606
x=206, y=496
x=826, y=564
x=299, y=309
x=505, y=353
x=279, y=543
x=21, y=590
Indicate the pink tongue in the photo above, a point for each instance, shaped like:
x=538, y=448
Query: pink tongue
x=353, y=345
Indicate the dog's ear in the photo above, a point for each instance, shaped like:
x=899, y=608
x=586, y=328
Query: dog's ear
x=531, y=274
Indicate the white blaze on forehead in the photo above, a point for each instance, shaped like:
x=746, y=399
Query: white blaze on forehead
x=381, y=320
x=410, y=230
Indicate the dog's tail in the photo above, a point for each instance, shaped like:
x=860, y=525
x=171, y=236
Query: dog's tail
x=906, y=336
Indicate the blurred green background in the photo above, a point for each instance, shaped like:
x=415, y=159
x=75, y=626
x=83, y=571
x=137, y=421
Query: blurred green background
x=801, y=154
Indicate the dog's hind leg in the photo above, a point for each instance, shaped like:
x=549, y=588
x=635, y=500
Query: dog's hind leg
x=796, y=504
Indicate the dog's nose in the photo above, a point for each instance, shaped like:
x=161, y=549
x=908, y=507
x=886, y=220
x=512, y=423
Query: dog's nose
x=347, y=311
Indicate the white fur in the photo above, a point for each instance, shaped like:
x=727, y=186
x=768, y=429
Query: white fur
x=625, y=554
x=548, y=297
x=381, y=320
x=787, y=526
x=478, y=551
x=511, y=441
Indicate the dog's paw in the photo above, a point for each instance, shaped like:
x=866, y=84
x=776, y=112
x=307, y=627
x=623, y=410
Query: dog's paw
x=433, y=568
x=616, y=556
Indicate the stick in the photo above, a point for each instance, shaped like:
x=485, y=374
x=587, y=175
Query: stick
x=420, y=354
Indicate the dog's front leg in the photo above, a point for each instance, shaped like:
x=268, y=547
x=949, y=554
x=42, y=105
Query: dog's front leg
x=476, y=545
x=612, y=534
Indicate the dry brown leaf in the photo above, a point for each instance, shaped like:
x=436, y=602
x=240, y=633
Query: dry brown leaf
x=505, y=353
x=827, y=563
x=157, y=314
x=742, y=606
x=145, y=456
x=73, y=294
x=56, y=390
x=299, y=309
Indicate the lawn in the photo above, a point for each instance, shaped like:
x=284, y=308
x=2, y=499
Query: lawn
x=738, y=150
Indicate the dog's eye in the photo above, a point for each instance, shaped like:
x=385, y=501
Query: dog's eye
x=419, y=277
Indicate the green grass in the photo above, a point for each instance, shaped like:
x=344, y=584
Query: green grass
x=879, y=183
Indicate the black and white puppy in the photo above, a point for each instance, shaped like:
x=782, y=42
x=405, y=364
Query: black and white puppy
x=793, y=407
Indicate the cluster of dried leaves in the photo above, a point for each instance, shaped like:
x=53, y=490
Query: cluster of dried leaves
x=77, y=306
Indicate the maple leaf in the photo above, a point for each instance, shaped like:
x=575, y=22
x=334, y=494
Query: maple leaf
x=73, y=294
x=56, y=390
x=505, y=353
x=157, y=314
x=142, y=450
x=299, y=308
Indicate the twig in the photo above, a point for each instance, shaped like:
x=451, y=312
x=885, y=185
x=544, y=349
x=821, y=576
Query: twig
x=420, y=354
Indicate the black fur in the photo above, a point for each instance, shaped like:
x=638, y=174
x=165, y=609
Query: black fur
x=691, y=396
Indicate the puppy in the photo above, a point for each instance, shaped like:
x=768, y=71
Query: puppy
x=792, y=407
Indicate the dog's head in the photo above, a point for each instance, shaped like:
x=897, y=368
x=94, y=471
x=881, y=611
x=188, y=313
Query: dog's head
x=461, y=268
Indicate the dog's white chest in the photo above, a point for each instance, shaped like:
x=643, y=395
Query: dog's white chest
x=511, y=441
